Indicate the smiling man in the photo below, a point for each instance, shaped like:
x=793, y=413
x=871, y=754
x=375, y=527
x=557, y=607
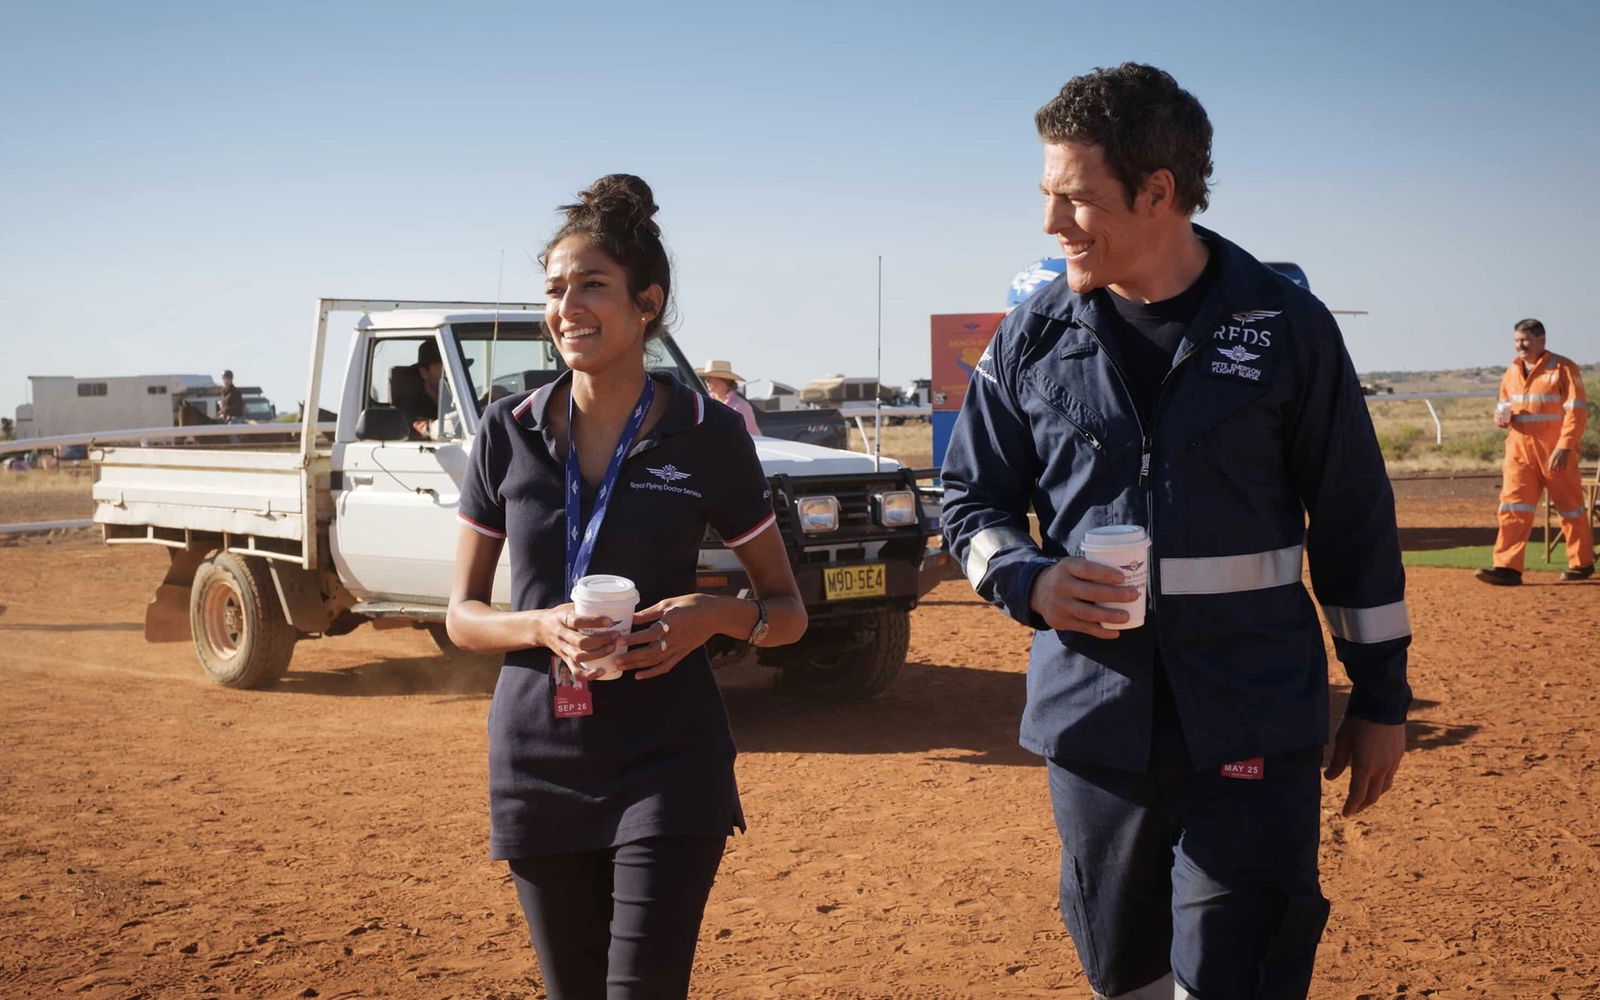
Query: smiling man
x=1170, y=380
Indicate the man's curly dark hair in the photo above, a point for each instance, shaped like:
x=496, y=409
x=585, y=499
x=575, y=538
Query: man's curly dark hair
x=1142, y=121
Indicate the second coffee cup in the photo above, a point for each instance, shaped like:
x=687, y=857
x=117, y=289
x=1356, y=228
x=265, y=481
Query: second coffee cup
x=1127, y=547
x=606, y=596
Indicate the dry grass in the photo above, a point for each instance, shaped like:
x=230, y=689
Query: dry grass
x=1469, y=442
x=910, y=444
x=1405, y=431
x=71, y=479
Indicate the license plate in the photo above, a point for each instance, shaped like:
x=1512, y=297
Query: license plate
x=845, y=582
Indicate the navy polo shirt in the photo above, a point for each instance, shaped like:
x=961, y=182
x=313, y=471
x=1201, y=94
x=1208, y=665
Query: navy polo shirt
x=656, y=757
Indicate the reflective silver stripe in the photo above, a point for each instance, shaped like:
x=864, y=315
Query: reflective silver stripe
x=1534, y=418
x=1534, y=397
x=1576, y=404
x=1380, y=624
x=985, y=544
x=1231, y=574
x=1519, y=507
x=1571, y=513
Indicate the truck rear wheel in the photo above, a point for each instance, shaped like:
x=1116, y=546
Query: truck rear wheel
x=240, y=633
x=846, y=659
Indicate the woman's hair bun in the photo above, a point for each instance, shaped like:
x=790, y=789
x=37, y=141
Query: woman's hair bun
x=621, y=199
x=615, y=216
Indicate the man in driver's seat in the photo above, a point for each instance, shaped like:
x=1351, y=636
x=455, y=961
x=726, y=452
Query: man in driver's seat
x=415, y=390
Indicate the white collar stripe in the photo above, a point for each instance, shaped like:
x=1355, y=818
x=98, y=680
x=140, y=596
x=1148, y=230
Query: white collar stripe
x=766, y=523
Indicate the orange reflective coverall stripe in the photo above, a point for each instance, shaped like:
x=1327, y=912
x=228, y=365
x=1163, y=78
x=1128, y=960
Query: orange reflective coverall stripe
x=1548, y=411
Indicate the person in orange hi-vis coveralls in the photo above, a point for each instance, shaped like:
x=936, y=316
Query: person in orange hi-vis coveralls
x=1542, y=402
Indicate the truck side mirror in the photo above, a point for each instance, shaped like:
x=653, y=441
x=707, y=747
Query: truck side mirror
x=382, y=423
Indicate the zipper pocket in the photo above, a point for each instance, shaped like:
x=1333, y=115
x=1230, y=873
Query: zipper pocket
x=1062, y=405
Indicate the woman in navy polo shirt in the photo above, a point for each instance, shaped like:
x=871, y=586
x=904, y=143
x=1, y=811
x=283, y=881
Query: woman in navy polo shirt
x=614, y=806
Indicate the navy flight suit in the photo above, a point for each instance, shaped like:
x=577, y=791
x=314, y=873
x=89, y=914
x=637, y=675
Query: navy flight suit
x=1260, y=453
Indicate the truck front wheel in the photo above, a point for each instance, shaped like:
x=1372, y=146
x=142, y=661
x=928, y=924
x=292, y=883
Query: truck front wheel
x=850, y=658
x=240, y=633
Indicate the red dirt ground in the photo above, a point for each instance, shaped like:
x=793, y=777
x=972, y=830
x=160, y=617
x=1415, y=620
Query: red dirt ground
x=163, y=836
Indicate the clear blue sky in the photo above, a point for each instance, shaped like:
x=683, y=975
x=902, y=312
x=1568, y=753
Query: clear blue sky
x=179, y=181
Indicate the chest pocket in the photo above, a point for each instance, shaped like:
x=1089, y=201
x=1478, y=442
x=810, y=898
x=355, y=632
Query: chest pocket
x=1227, y=378
x=1048, y=402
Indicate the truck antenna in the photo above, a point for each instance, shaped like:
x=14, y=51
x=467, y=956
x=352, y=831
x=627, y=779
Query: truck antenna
x=877, y=393
x=533, y=262
x=494, y=336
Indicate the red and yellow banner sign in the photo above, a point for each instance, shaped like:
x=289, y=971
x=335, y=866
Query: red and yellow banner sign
x=959, y=340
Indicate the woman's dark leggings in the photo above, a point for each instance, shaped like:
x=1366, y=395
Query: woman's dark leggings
x=619, y=923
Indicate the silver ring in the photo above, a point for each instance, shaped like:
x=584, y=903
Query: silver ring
x=662, y=642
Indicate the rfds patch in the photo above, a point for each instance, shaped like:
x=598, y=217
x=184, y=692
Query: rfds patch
x=1241, y=342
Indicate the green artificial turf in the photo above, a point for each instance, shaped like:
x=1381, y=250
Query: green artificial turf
x=1481, y=556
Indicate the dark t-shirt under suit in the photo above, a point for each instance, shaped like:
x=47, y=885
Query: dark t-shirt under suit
x=1144, y=340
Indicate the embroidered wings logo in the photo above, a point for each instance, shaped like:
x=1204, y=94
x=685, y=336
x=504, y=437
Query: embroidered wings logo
x=1251, y=315
x=1237, y=354
x=668, y=473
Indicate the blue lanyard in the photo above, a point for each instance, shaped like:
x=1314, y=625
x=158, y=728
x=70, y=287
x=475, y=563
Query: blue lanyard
x=578, y=552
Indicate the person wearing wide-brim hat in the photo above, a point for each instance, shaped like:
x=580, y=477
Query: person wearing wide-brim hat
x=722, y=383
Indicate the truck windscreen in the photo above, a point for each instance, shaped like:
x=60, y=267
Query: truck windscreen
x=519, y=357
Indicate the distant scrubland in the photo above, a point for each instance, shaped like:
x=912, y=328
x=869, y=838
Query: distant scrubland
x=1406, y=432
x=1470, y=440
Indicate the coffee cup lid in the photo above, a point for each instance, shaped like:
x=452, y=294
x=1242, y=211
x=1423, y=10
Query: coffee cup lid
x=1115, y=534
x=604, y=587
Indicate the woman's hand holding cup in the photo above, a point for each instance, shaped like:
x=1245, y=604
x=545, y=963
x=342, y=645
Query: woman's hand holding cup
x=578, y=640
x=677, y=627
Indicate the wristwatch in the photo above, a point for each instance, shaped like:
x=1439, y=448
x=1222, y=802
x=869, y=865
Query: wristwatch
x=759, y=632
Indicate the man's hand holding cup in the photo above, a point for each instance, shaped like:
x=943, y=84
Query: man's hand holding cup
x=1070, y=595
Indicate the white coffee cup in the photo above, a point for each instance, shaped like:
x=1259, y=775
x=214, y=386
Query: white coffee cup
x=1127, y=547
x=606, y=596
x=1502, y=414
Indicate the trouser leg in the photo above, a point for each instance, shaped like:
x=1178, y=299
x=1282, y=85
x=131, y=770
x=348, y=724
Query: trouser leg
x=619, y=923
x=659, y=898
x=1567, y=496
x=1521, y=484
x=1181, y=882
x=1116, y=863
x=1161, y=989
x=566, y=899
x=1247, y=908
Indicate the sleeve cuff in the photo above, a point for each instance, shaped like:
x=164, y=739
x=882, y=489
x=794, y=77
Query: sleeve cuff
x=480, y=527
x=1384, y=703
x=1014, y=595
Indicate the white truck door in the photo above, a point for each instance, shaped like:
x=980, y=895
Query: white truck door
x=395, y=519
x=394, y=529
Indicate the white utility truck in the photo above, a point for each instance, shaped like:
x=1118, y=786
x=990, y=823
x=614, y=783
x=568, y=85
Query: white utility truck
x=271, y=547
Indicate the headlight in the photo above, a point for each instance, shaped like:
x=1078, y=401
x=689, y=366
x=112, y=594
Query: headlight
x=895, y=509
x=818, y=514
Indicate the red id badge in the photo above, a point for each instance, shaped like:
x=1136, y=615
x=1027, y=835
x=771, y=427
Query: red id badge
x=573, y=698
x=1253, y=769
